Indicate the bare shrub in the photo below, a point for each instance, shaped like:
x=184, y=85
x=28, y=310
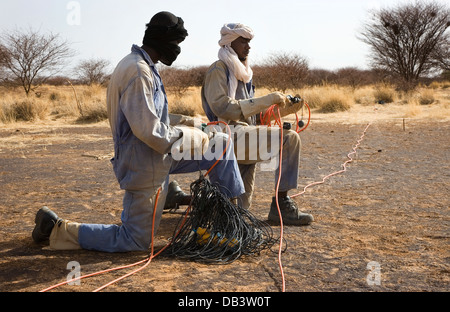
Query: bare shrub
x=320, y=77
x=179, y=80
x=409, y=41
x=353, y=77
x=92, y=71
x=30, y=57
x=282, y=71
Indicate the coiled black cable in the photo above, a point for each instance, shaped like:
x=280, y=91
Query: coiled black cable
x=214, y=230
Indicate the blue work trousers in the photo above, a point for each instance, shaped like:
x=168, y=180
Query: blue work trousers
x=135, y=232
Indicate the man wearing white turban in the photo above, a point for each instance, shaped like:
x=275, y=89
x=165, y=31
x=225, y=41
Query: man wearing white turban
x=228, y=95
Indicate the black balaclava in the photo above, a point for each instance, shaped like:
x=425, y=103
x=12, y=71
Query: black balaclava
x=165, y=28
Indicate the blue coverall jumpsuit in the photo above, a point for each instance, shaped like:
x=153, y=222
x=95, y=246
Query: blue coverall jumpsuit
x=143, y=136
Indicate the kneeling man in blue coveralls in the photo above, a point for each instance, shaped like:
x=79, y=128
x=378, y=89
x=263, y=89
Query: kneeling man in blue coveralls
x=146, y=139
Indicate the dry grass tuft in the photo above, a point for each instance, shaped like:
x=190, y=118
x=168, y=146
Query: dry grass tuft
x=329, y=99
x=88, y=103
x=13, y=109
x=426, y=97
x=413, y=108
x=85, y=103
x=335, y=101
x=189, y=103
x=384, y=94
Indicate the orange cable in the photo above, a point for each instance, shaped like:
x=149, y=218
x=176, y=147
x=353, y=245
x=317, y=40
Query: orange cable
x=283, y=281
x=148, y=259
x=344, y=165
x=154, y=210
x=151, y=250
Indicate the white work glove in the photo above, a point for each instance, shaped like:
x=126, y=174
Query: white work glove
x=292, y=107
x=213, y=130
x=254, y=106
x=192, y=145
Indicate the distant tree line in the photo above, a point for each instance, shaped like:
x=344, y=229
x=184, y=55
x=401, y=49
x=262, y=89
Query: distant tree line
x=410, y=43
x=288, y=77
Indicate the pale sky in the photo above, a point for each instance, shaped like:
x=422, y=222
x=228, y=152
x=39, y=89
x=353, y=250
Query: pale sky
x=322, y=31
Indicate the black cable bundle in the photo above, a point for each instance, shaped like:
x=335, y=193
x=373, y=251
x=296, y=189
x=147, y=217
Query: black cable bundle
x=214, y=229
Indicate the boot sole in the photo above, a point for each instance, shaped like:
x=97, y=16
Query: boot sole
x=307, y=220
x=37, y=234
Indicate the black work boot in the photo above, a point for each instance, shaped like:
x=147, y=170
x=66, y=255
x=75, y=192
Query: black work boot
x=175, y=196
x=45, y=221
x=289, y=212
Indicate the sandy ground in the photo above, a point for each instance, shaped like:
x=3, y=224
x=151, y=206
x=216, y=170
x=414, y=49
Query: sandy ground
x=390, y=209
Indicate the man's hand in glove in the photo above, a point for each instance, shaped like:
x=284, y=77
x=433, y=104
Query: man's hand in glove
x=279, y=98
x=192, y=145
x=259, y=104
x=292, y=106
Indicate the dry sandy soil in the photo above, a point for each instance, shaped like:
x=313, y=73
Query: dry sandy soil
x=391, y=206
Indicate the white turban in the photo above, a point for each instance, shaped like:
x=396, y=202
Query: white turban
x=238, y=70
x=231, y=32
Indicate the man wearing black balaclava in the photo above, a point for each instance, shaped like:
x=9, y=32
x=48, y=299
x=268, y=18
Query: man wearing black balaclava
x=164, y=34
x=147, y=148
